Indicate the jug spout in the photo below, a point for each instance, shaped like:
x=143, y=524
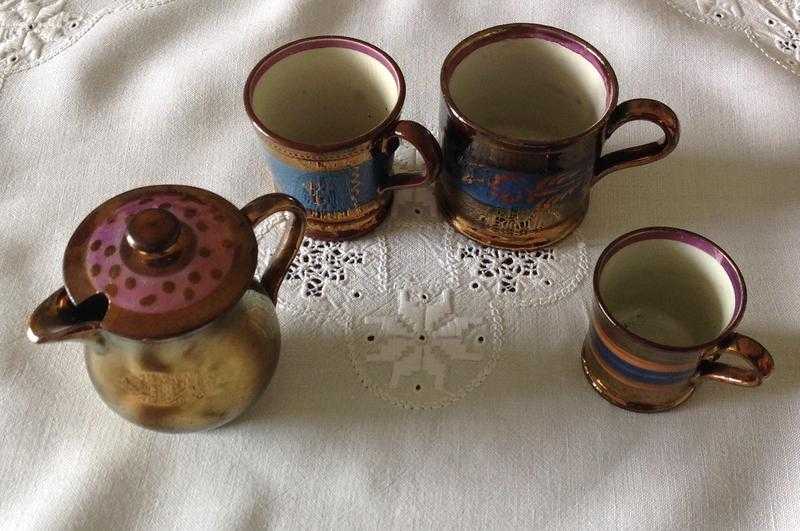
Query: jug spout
x=58, y=319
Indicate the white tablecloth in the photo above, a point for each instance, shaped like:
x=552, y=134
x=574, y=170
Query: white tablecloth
x=106, y=96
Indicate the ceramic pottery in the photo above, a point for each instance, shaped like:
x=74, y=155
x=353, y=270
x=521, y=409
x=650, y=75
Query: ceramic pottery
x=327, y=110
x=666, y=305
x=159, y=288
x=526, y=111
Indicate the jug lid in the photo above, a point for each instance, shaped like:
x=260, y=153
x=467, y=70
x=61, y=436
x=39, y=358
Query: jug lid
x=169, y=259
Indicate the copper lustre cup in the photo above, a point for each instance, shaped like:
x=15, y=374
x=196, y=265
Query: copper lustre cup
x=666, y=306
x=328, y=112
x=527, y=109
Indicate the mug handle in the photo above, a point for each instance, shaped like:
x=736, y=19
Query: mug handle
x=638, y=109
x=424, y=142
x=260, y=209
x=760, y=361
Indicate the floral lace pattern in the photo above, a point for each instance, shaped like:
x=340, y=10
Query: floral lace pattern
x=518, y=278
x=331, y=279
x=773, y=26
x=319, y=263
x=509, y=267
x=29, y=27
x=33, y=31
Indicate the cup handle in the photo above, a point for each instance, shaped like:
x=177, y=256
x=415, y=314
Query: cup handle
x=639, y=109
x=424, y=142
x=752, y=351
x=260, y=209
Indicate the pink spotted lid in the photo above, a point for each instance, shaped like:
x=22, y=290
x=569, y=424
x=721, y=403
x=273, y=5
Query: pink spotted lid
x=168, y=258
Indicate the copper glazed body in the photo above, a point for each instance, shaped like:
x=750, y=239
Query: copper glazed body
x=170, y=366
x=523, y=193
x=194, y=382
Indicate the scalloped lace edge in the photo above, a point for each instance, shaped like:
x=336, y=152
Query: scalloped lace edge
x=90, y=21
x=747, y=30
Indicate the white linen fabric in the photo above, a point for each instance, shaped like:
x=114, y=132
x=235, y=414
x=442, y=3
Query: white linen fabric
x=98, y=97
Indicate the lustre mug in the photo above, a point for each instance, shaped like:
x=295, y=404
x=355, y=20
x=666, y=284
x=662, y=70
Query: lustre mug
x=327, y=109
x=666, y=305
x=526, y=111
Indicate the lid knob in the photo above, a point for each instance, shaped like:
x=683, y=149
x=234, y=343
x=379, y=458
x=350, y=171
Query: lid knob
x=153, y=230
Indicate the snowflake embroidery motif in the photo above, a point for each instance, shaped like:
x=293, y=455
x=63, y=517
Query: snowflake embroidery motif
x=27, y=27
x=509, y=267
x=424, y=337
x=318, y=263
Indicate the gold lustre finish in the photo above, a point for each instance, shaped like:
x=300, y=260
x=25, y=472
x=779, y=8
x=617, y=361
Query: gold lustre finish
x=507, y=229
x=208, y=370
x=352, y=223
x=196, y=382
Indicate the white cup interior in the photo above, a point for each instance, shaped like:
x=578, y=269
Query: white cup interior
x=668, y=291
x=529, y=88
x=325, y=95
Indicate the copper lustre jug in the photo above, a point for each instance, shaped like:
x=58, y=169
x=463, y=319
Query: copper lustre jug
x=159, y=287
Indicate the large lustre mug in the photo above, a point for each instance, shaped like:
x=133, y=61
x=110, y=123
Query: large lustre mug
x=527, y=109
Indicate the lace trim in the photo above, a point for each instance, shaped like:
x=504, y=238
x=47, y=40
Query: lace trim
x=520, y=278
x=320, y=263
x=332, y=279
x=35, y=31
x=773, y=26
x=421, y=307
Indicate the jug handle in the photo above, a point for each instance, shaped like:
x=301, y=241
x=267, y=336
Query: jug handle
x=260, y=209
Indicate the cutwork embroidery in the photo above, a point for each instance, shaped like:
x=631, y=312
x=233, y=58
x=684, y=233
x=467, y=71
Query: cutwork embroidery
x=518, y=278
x=29, y=27
x=507, y=267
x=773, y=26
x=319, y=263
x=33, y=31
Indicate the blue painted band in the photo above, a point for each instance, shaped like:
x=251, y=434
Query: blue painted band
x=331, y=191
x=633, y=372
x=512, y=190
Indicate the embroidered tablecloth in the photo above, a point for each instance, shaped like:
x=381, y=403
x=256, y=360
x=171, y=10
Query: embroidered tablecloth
x=425, y=381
